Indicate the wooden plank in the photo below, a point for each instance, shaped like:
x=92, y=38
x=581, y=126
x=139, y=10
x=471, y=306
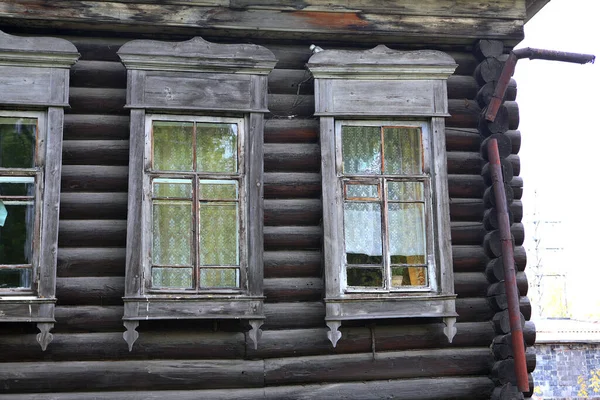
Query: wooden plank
x=450, y=388
x=388, y=365
x=371, y=26
x=130, y=375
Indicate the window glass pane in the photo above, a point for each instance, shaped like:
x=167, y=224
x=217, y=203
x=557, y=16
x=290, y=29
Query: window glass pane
x=17, y=142
x=15, y=278
x=172, y=278
x=219, y=237
x=17, y=186
x=354, y=191
x=172, y=232
x=371, y=277
x=219, y=278
x=406, y=233
x=402, y=150
x=16, y=235
x=362, y=233
x=409, y=276
x=172, y=188
x=218, y=190
x=405, y=191
x=172, y=145
x=361, y=149
x=217, y=147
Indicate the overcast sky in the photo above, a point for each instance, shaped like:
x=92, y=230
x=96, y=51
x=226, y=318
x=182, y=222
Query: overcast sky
x=560, y=153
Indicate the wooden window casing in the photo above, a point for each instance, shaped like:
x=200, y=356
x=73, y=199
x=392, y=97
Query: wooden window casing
x=34, y=85
x=388, y=89
x=194, y=82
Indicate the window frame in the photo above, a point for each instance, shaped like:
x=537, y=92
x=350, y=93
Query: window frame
x=383, y=179
x=383, y=85
x=150, y=174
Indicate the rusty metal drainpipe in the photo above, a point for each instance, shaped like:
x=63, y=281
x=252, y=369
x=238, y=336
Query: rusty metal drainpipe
x=532, y=54
x=510, y=275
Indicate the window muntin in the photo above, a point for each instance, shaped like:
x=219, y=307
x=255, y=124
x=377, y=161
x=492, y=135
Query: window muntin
x=384, y=173
x=21, y=162
x=197, y=189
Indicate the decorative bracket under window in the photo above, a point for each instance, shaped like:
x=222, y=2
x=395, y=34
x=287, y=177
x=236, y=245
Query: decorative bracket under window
x=397, y=90
x=199, y=80
x=34, y=90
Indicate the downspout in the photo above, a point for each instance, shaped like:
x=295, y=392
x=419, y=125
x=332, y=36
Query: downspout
x=510, y=276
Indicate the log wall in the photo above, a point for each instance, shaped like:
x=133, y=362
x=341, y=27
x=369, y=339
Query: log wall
x=215, y=359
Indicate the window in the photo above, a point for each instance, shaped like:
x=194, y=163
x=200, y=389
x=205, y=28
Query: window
x=34, y=89
x=198, y=188
x=195, y=208
x=385, y=190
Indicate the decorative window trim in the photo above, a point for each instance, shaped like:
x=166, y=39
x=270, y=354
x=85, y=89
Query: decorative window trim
x=195, y=79
x=37, y=72
x=383, y=85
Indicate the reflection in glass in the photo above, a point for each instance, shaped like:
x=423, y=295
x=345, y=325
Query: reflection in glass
x=409, y=276
x=172, y=232
x=17, y=142
x=354, y=191
x=371, y=277
x=362, y=232
x=172, y=188
x=219, y=278
x=16, y=236
x=361, y=149
x=15, y=278
x=402, y=150
x=219, y=236
x=407, y=233
x=218, y=190
x=405, y=191
x=173, y=148
x=216, y=147
x=172, y=278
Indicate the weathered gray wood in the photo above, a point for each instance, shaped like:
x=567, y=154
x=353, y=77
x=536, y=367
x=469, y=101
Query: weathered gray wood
x=450, y=388
x=94, y=178
x=85, y=205
x=131, y=375
x=107, y=74
x=474, y=210
x=92, y=233
x=280, y=22
x=291, y=158
x=293, y=289
x=292, y=212
x=292, y=185
x=97, y=101
x=488, y=48
x=255, y=206
x=96, y=127
x=285, y=264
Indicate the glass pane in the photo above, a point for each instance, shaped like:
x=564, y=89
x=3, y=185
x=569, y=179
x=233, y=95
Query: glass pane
x=402, y=150
x=180, y=278
x=407, y=233
x=172, y=188
x=15, y=278
x=219, y=278
x=16, y=235
x=172, y=232
x=17, y=142
x=371, y=277
x=218, y=190
x=354, y=191
x=217, y=147
x=405, y=191
x=362, y=233
x=361, y=149
x=219, y=235
x=409, y=276
x=17, y=186
x=173, y=145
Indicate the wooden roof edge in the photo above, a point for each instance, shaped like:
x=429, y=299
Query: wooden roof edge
x=532, y=8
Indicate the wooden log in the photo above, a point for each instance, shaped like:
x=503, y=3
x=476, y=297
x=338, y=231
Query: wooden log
x=106, y=291
x=92, y=233
x=488, y=70
x=92, y=178
x=292, y=158
x=91, y=261
x=475, y=284
x=490, y=216
x=98, y=74
x=503, y=371
x=284, y=185
x=488, y=48
x=502, y=347
x=489, y=199
x=96, y=127
x=497, y=295
x=291, y=130
x=130, y=375
x=474, y=210
x=499, y=125
x=88, y=319
x=462, y=162
x=494, y=270
x=93, y=205
x=96, y=152
x=469, y=233
x=492, y=243
x=507, y=391
x=97, y=101
x=293, y=289
x=473, y=388
x=472, y=186
x=505, y=146
x=485, y=94
x=292, y=237
x=507, y=171
x=294, y=315
x=387, y=365
x=502, y=322
x=473, y=258
x=290, y=264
